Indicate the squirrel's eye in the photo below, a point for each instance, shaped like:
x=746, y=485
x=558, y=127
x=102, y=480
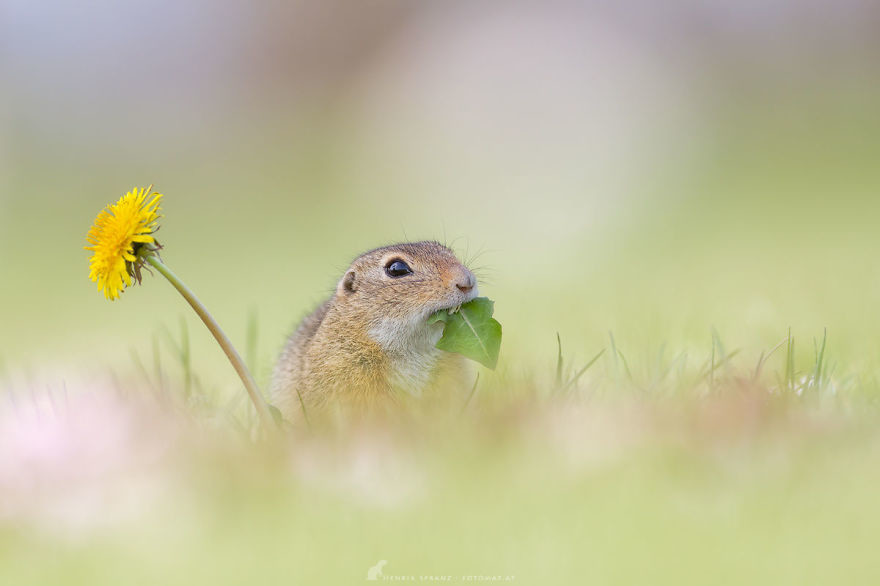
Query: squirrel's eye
x=397, y=268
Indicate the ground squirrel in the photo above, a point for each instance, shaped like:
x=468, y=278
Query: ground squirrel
x=370, y=341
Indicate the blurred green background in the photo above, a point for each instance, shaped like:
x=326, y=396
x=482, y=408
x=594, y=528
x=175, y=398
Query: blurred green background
x=651, y=170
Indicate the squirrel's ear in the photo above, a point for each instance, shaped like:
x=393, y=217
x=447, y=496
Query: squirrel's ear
x=346, y=285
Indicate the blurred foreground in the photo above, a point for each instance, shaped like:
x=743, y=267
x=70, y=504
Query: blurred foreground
x=738, y=481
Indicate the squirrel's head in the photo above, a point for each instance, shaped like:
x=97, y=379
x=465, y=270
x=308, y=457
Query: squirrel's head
x=413, y=277
x=395, y=288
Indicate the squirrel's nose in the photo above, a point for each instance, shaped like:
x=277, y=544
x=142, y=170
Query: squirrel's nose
x=466, y=282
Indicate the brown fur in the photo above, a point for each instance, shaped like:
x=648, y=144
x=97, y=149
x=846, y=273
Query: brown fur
x=369, y=344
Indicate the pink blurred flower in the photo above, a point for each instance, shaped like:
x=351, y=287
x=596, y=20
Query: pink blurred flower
x=92, y=461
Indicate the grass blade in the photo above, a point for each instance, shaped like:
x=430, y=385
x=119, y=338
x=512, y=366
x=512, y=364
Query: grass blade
x=575, y=378
x=471, y=394
x=558, y=360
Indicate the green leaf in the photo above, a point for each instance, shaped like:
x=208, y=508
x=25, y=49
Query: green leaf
x=471, y=331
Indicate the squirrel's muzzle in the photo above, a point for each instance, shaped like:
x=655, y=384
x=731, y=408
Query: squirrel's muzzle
x=465, y=281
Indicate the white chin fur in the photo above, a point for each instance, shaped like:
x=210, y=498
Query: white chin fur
x=412, y=350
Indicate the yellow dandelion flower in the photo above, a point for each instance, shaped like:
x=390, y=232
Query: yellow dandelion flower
x=118, y=240
x=122, y=242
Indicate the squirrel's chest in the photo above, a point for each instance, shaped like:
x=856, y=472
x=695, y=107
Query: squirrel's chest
x=412, y=374
x=412, y=355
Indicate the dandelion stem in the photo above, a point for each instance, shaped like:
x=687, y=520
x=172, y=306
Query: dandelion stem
x=249, y=384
